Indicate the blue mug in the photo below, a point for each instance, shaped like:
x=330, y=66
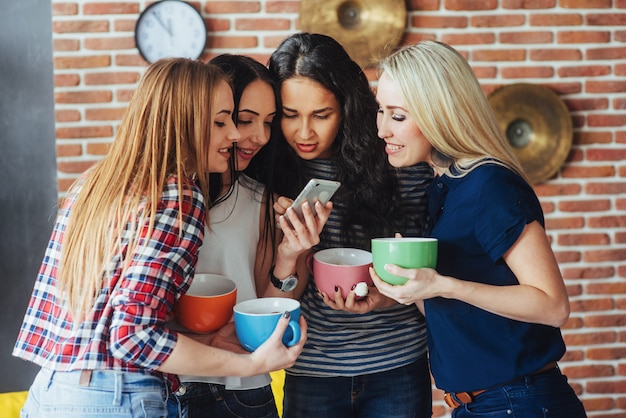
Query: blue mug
x=256, y=319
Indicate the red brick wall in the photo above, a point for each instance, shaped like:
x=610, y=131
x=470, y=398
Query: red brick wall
x=575, y=47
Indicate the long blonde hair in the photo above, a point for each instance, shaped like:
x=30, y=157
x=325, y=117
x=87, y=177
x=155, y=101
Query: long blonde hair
x=445, y=100
x=165, y=132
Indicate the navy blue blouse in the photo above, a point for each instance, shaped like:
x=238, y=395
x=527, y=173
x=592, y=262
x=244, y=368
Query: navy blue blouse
x=476, y=219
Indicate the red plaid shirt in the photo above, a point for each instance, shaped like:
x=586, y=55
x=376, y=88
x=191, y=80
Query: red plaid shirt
x=125, y=329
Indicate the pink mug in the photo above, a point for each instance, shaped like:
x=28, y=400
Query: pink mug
x=341, y=267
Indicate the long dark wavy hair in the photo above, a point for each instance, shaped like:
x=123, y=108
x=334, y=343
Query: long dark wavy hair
x=243, y=70
x=368, y=186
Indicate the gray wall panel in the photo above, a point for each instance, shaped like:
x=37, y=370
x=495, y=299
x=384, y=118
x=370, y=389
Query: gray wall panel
x=28, y=183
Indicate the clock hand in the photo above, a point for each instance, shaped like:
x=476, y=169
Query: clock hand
x=167, y=28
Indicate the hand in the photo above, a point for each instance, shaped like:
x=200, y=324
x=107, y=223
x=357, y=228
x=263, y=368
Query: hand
x=281, y=205
x=167, y=28
x=421, y=284
x=273, y=354
x=226, y=338
x=300, y=235
x=373, y=300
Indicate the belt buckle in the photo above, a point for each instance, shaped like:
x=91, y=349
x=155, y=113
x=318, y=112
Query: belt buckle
x=463, y=398
x=450, y=401
x=181, y=390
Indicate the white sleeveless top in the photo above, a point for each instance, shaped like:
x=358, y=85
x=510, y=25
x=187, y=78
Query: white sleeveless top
x=229, y=248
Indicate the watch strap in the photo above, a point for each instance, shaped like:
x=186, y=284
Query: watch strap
x=280, y=284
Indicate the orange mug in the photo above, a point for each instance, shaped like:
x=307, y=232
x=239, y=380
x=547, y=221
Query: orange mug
x=208, y=304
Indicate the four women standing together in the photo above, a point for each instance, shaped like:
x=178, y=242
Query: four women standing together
x=492, y=316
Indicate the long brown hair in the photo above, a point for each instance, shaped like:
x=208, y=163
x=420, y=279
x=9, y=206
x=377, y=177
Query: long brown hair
x=164, y=133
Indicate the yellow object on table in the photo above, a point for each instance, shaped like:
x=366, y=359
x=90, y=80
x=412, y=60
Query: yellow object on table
x=11, y=403
x=278, y=382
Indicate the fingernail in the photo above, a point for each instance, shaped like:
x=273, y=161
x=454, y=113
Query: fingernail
x=286, y=314
x=336, y=288
x=353, y=286
x=387, y=267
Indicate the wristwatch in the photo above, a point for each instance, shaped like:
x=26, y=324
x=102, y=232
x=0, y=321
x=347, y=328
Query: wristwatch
x=285, y=285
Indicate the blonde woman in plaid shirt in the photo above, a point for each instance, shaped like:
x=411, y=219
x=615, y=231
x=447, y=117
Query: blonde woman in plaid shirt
x=124, y=248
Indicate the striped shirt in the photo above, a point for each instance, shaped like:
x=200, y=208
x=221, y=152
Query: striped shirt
x=125, y=329
x=345, y=344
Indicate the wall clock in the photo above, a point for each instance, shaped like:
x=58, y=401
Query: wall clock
x=170, y=28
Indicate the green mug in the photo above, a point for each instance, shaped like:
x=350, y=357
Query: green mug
x=409, y=253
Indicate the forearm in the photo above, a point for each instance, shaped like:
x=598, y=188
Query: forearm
x=540, y=297
x=194, y=358
x=523, y=302
x=519, y=302
x=420, y=306
x=190, y=357
x=285, y=265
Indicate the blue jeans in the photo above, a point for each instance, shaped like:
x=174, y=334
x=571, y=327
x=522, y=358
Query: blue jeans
x=543, y=395
x=404, y=392
x=196, y=400
x=108, y=394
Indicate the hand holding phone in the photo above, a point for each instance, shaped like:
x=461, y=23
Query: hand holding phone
x=315, y=190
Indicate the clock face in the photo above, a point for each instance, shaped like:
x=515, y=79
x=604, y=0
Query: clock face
x=170, y=28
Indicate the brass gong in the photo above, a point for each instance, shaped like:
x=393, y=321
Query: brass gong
x=367, y=29
x=538, y=126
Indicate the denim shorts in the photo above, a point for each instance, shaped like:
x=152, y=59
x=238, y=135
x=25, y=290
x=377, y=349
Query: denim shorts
x=107, y=394
x=404, y=392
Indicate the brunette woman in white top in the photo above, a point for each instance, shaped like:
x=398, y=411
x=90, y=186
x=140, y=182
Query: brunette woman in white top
x=241, y=242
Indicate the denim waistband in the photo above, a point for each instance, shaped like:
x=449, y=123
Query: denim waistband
x=107, y=380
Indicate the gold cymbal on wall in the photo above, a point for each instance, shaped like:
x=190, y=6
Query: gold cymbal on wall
x=538, y=126
x=365, y=28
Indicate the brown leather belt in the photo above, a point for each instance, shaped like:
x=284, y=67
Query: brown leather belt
x=85, y=377
x=456, y=399
x=463, y=397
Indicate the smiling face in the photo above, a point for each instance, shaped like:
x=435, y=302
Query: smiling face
x=223, y=132
x=311, y=117
x=405, y=144
x=257, y=109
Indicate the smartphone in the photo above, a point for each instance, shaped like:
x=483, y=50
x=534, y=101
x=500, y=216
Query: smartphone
x=315, y=190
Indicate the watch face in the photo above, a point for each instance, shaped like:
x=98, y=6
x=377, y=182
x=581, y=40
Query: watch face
x=289, y=284
x=170, y=28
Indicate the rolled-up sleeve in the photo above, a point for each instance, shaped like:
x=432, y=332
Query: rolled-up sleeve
x=161, y=269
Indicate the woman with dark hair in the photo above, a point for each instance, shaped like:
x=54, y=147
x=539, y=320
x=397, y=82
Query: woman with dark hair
x=255, y=154
x=364, y=358
x=240, y=242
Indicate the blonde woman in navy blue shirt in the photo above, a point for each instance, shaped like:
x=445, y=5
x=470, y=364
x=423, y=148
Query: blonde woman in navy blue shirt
x=496, y=300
